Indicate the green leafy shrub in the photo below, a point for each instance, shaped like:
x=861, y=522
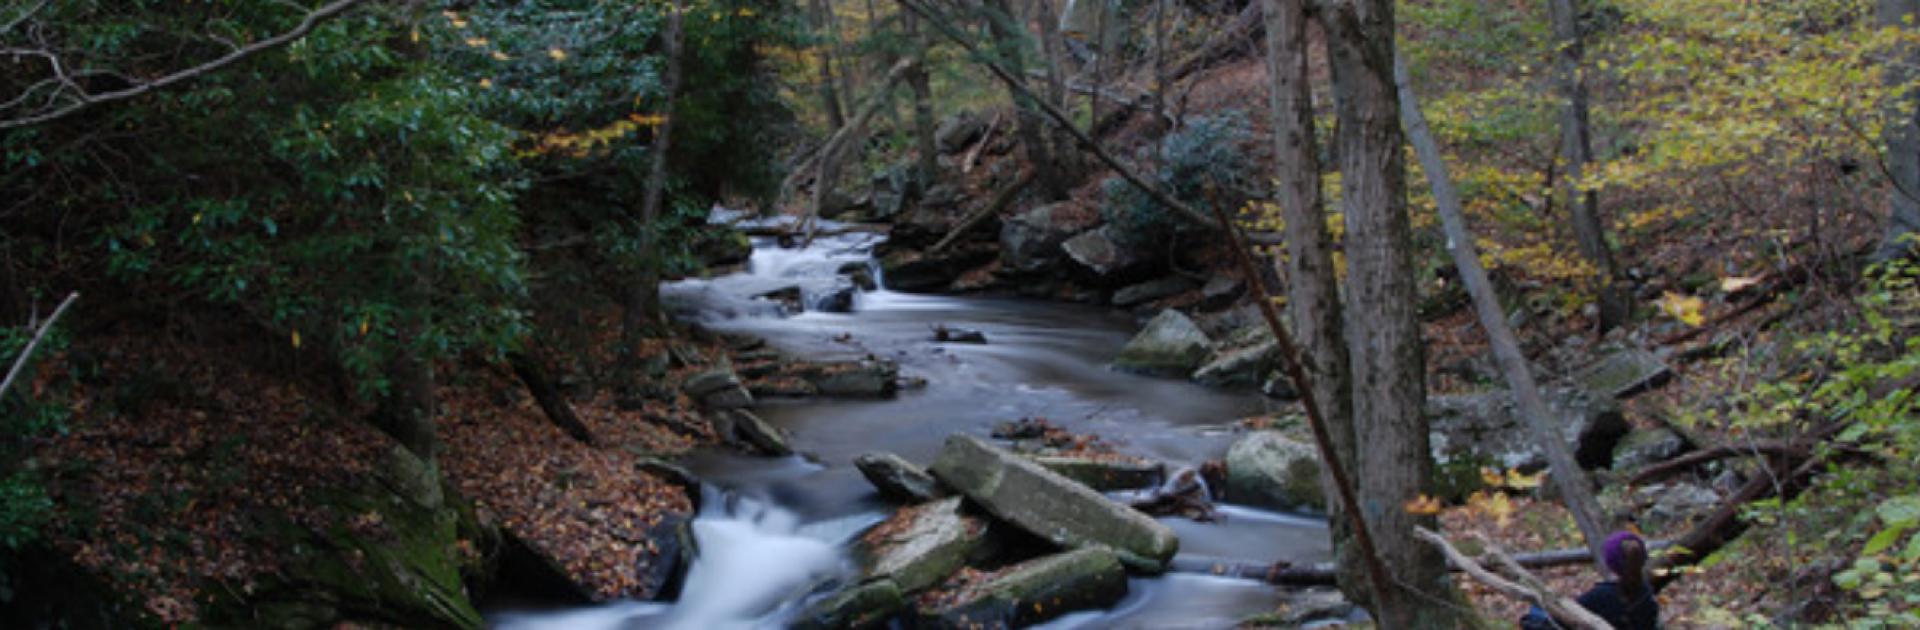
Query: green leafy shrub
x=1206, y=153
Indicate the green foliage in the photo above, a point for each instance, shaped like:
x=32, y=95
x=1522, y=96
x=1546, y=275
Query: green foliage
x=1206, y=153
x=24, y=504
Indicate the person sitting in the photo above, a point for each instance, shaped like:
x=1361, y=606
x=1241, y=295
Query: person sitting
x=1627, y=603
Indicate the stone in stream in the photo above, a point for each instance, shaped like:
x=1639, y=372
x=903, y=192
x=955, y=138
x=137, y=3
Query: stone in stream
x=870, y=378
x=1151, y=290
x=898, y=479
x=1624, y=373
x=742, y=426
x=1269, y=469
x=865, y=605
x=919, y=546
x=718, y=388
x=838, y=299
x=945, y=334
x=1105, y=474
x=1240, y=367
x=1050, y=506
x=1030, y=592
x=1170, y=345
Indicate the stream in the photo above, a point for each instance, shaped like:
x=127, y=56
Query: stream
x=772, y=530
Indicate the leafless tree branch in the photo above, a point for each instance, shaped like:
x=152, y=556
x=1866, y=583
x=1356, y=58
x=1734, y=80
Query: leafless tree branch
x=20, y=364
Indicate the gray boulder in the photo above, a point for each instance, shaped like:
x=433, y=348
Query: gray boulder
x=958, y=131
x=863, y=379
x=1030, y=241
x=1486, y=429
x=865, y=605
x=919, y=546
x=1051, y=506
x=898, y=479
x=1034, y=591
x=743, y=427
x=1240, y=367
x=718, y=388
x=1100, y=251
x=1269, y=469
x=1151, y=290
x=1645, y=448
x=1170, y=345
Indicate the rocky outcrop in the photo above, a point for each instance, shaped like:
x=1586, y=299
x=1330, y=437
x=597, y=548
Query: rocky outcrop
x=1269, y=469
x=1170, y=345
x=1032, y=592
x=739, y=426
x=1644, y=448
x=1100, y=252
x=919, y=546
x=860, y=379
x=959, y=131
x=718, y=388
x=1050, y=506
x=1030, y=241
x=898, y=479
x=1485, y=429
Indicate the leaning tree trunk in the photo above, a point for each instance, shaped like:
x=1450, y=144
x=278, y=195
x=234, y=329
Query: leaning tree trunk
x=1575, y=494
x=1008, y=38
x=1383, y=328
x=1576, y=152
x=1313, y=297
x=643, y=296
x=1902, y=134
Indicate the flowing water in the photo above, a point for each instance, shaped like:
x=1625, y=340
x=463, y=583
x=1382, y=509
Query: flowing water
x=774, y=530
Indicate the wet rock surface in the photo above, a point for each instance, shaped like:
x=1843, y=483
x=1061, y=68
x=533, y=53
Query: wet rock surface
x=1031, y=592
x=1269, y=469
x=1170, y=345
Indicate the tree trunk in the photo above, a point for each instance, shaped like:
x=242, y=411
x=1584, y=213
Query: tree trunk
x=1576, y=151
x=853, y=134
x=1313, y=297
x=1059, y=140
x=829, y=94
x=643, y=296
x=1160, y=61
x=405, y=411
x=924, y=124
x=1383, y=328
x=1902, y=135
x=1008, y=38
x=1567, y=476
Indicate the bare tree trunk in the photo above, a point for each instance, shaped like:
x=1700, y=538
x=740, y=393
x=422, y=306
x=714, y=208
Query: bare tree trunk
x=1383, y=335
x=1071, y=165
x=829, y=94
x=643, y=296
x=1567, y=477
x=1902, y=135
x=1576, y=151
x=1008, y=38
x=923, y=120
x=405, y=410
x=1160, y=60
x=1313, y=297
x=853, y=134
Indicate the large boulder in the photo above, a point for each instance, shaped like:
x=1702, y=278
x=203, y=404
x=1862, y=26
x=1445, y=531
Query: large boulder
x=718, y=388
x=1051, y=506
x=1245, y=366
x=1032, y=592
x=739, y=426
x=861, y=606
x=1269, y=469
x=1030, y=241
x=898, y=479
x=919, y=546
x=1485, y=429
x=1170, y=345
x=1099, y=250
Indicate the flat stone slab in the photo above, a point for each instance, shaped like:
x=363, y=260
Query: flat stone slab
x=867, y=605
x=919, y=546
x=1051, y=506
x=1032, y=592
x=1105, y=474
x=898, y=479
x=1624, y=373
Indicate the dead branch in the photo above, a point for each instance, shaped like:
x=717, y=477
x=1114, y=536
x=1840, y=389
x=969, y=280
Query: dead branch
x=551, y=401
x=973, y=155
x=20, y=364
x=1682, y=463
x=80, y=98
x=828, y=169
x=1562, y=608
x=999, y=203
x=1326, y=574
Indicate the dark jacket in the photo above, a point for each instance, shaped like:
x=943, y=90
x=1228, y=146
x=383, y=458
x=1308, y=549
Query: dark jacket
x=1643, y=613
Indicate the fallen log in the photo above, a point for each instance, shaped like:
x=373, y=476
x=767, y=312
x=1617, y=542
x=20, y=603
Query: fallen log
x=1323, y=573
x=1000, y=202
x=1524, y=586
x=551, y=401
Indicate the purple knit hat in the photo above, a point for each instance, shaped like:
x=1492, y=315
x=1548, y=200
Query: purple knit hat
x=1612, y=553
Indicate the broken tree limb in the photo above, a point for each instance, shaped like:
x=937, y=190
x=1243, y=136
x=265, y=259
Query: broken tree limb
x=1324, y=573
x=551, y=401
x=1724, y=524
x=1563, y=609
x=1682, y=463
x=1000, y=202
x=1567, y=476
x=973, y=155
x=1246, y=27
x=20, y=364
x=828, y=168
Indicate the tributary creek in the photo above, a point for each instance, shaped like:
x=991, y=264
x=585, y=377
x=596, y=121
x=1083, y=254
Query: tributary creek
x=773, y=531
